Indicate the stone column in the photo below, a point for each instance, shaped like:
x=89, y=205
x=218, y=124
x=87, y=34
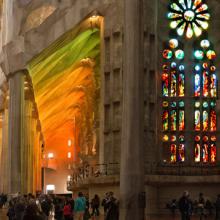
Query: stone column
x=1, y=150
x=132, y=196
x=4, y=161
x=16, y=129
x=26, y=168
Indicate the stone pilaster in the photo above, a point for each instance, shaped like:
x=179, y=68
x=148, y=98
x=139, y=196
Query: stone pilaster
x=16, y=129
x=132, y=196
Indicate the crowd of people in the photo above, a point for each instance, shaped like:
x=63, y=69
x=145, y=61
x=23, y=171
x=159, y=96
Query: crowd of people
x=29, y=207
x=201, y=207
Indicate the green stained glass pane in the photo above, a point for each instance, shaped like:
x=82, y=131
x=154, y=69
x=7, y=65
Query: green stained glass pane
x=197, y=30
x=181, y=138
x=205, y=105
x=213, y=104
x=173, y=104
x=175, y=7
x=179, y=54
x=174, y=24
x=181, y=29
x=181, y=104
x=198, y=54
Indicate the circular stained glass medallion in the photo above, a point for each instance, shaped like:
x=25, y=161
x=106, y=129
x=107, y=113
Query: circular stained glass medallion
x=198, y=54
x=173, y=43
x=179, y=54
x=211, y=55
x=167, y=54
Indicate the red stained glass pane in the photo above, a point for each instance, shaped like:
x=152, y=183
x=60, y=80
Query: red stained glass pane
x=165, y=84
x=205, y=84
x=173, y=153
x=213, y=120
x=213, y=153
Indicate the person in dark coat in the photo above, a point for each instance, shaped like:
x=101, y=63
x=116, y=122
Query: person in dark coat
x=185, y=206
x=112, y=204
x=217, y=207
x=95, y=203
x=32, y=213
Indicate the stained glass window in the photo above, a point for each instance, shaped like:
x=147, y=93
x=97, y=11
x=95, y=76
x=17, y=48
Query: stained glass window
x=205, y=84
x=165, y=120
x=205, y=118
x=173, y=120
x=213, y=153
x=173, y=153
x=213, y=120
x=197, y=120
x=197, y=152
x=188, y=17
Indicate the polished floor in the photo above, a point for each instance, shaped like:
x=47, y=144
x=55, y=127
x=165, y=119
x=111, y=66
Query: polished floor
x=164, y=217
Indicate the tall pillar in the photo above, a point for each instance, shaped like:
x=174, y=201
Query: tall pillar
x=4, y=161
x=132, y=196
x=1, y=150
x=27, y=169
x=16, y=129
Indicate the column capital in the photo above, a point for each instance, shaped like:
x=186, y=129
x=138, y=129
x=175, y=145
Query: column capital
x=12, y=74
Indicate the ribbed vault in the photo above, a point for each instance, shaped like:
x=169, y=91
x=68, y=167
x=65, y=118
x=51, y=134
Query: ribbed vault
x=65, y=78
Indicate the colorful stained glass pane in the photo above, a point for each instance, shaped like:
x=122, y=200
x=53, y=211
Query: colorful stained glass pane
x=203, y=24
x=213, y=138
x=181, y=29
x=211, y=55
x=196, y=3
x=197, y=152
x=173, y=138
x=173, y=43
x=203, y=7
x=205, y=84
x=165, y=67
x=165, y=84
x=213, y=85
x=167, y=54
x=205, y=66
x=213, y=68
x=165, y=138
x=182, y=2
x=173, y=83
x=197, y=85
x=172, y=15
x=173, y=104
x=181, y=67
x=173, y=120
x=205, y=105
x=165, y=120
x=197, y=30
x=189, y=31
x=181, y=104
x=213, y=104
x=198, y=54
x=175, y=7
x=179, y=54
x=173, y=65
x=213, y=153
x=181, y=154
x=173, y=153
x=174, y=24
x=181, y=85
x=205, y=16
x=197, y=138
x=165, y=104
x=205, y=138
x=197, y=68
x=205, y=44
x=197, y=104
x=181, y=120
x=205, y=120
x=205, y=153
x=213, y=122
x=197, y=120
x=181, y=138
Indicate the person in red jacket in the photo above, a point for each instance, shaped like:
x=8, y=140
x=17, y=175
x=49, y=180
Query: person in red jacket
x=67, y=211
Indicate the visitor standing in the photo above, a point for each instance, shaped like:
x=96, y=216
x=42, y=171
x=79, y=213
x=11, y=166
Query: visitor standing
x=185, y=206
x=67, y=211
x=80, y=206
x=112, y=204
x=217, y=207
x=95, y=203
